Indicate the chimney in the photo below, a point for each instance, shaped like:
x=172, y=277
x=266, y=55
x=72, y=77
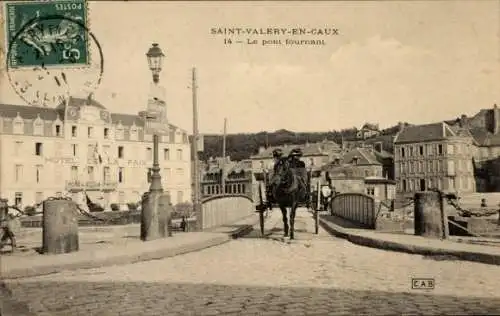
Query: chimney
x=401, y=126
x=463, y=121
x=496, y=119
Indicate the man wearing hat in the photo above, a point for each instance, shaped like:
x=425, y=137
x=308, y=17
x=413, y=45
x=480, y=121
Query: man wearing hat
x=299, y=166
x=294, y=158
x=278, y=156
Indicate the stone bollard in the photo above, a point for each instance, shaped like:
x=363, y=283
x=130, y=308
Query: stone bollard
x=429, y=218
x=165, y=209
x=155, y=216
x=60, y=227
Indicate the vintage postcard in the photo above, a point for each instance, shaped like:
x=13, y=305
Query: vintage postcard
x=249, y=157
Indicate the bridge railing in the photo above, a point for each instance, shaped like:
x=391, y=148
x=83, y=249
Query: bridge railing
x=358, y=208
x=225, y=209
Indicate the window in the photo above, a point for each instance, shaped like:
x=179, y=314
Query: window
x=73, y=131
x=370, y=191
x=105, y=150
x=38, y=173
x=18, y=173
x=38, y=197
x=180, y=196
x=105, y=174
x=38, y=149
x=106, y=133
x=133, y=133
x=402, y=152
x=90, y=151
x=120, y=175
x=120, y=152
x=404, y=185
x=440, y=149
x=58, y=130
x=90, y=173
x=166, y=154
x=18, y=199
x=74, y=148
x=179, y=154
x=17, y=148
x=18, y=127
x=74, y=173
x=411, y=151
x=119, y=132
x=38, y=128
x=421, y=150
x=90, y=132
x=149, y=153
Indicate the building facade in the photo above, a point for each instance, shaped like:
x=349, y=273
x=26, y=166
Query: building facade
x=434, y=156
x=83, y=148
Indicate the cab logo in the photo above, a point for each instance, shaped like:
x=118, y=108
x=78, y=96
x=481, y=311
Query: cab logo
x=422, y=283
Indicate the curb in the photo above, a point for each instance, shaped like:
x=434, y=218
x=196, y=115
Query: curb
x=121, y=259
x=407, y=248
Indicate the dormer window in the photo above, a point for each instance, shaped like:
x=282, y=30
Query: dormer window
x=119, y=132
x=58, y=130
x=133, y=133
x=38, y=127
x=73, y=131
x=18, y=125
x=355, y=160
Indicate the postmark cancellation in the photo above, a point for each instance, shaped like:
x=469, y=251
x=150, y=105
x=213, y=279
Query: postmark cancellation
x=51, y=33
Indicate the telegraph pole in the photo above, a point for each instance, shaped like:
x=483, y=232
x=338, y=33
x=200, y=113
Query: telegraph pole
x=196, y=174
x=224, y=158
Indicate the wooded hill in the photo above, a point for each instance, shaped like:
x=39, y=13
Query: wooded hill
x=242, y=146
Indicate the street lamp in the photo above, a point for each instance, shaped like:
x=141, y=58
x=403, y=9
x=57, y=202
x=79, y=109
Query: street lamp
x=155, y=59
x=154, y=214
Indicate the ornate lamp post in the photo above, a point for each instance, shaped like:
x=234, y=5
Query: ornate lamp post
x=154, y=217
x=155, y=59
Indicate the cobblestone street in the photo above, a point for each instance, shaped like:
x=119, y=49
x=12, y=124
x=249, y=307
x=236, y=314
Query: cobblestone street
x=313, y=275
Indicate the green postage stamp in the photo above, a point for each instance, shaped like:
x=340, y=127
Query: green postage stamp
x=48, y=33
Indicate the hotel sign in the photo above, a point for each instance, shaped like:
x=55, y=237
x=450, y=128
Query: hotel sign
x=106, y=162
x=63, y=160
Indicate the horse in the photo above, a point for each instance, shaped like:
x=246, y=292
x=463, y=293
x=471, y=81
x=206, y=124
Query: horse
x=288, y=188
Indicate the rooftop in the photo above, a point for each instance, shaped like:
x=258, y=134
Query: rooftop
x=423, y=133
x=51, y=114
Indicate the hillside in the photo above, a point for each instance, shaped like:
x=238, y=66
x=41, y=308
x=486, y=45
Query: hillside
x=242, y=146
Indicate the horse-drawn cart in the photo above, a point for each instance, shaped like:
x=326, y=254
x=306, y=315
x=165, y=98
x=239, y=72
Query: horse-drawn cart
x=267, y=200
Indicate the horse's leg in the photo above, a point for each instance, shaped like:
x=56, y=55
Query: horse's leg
x=12, y=240
x=285, y=220
x=3, y=237
x=292, y=219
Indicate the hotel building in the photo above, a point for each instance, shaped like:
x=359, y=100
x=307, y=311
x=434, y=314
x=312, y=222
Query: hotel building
x=81, y=148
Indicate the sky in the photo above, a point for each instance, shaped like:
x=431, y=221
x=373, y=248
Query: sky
x=414, y=61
